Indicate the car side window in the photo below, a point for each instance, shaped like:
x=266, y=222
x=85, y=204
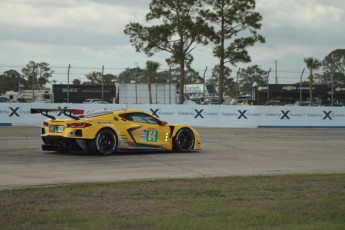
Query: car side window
x=144, y=118
x=126, y=116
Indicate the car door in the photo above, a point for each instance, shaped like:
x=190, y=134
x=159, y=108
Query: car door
x=148, y=130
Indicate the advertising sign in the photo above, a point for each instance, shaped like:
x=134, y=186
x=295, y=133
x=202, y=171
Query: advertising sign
x=196, y=115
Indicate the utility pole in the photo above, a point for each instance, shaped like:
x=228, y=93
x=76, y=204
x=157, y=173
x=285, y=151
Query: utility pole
x=136, y=79
x=237, y=86
x=333, y=71
x=169, y=92
x=268, y=87
x=204, y=90
x=276, y=72
x=69, y=67
x=300, y=87
x=332, y=98
x=102, y=83
x=33, y=82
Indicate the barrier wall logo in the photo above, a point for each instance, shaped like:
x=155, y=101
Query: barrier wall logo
x=14, y=112
x=198, y=113
x=154, y=112
x=285, y=114
x=242, y=114
x=61, y=113
x=327, y=115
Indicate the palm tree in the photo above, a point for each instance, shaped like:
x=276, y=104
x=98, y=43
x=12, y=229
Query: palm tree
x=151, y=68
x=312, y=64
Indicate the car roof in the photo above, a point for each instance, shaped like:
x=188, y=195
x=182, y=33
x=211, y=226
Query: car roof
x=115, y=112
x=129, y=111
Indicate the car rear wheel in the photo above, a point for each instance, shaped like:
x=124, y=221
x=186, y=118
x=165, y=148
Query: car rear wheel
x=183, y=140
x=105, y=142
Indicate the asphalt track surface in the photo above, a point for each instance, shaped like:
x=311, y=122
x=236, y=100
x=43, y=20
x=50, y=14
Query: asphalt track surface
x=225, y=152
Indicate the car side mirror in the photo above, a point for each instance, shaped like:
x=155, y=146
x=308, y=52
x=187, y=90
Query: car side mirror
x=163, y=123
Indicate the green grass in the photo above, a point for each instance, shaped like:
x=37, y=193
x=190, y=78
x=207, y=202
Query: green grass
x=264, y=202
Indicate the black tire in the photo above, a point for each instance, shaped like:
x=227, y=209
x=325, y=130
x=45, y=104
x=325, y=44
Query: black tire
x=183, y=140
x=105, y=142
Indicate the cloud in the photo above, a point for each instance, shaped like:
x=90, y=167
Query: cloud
x=70, y=24
x=308, y=13
x=295, y=29
x=90, y=33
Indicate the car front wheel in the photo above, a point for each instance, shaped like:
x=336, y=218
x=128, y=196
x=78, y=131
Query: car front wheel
x=183, y=140
x=105, y=142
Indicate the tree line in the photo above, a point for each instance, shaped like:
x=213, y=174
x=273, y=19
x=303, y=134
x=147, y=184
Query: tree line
x=38, y=75
x=237, y=82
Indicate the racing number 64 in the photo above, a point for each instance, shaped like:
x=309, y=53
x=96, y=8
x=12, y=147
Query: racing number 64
x=152, y=135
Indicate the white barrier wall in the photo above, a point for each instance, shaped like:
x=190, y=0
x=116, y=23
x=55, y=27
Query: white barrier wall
x=197, y=115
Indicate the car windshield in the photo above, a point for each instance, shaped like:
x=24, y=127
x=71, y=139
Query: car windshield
x=99, y=113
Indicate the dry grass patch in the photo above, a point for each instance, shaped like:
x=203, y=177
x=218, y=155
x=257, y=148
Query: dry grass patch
x=263, y=202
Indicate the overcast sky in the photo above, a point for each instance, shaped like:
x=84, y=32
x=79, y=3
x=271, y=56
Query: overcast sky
x=89, y=34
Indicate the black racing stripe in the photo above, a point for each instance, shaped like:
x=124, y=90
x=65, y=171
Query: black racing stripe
x=130, y=130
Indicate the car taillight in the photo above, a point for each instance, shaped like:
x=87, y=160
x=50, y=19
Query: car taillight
x=78, y=125
x=45, y=124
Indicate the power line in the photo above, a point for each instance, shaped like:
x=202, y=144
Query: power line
x=81, y=71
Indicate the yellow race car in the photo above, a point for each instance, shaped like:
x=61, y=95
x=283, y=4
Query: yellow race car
x=106, y=132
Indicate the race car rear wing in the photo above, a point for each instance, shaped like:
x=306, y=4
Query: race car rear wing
x=67, y=112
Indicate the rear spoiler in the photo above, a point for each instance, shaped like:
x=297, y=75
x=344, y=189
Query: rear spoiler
x=67, y=112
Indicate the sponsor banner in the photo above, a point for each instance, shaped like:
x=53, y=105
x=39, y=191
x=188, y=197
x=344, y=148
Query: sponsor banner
x=19, y=113
x=195, y=115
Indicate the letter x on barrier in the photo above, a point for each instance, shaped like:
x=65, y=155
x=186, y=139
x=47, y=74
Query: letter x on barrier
x=327, y=115
x=154, y=112
x=14, y=112
x=198, y=113
x=285, y=114
x=242, y=114
x=61, y=113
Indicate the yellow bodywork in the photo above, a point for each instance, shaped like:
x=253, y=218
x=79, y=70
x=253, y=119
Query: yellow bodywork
x=130, y=134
